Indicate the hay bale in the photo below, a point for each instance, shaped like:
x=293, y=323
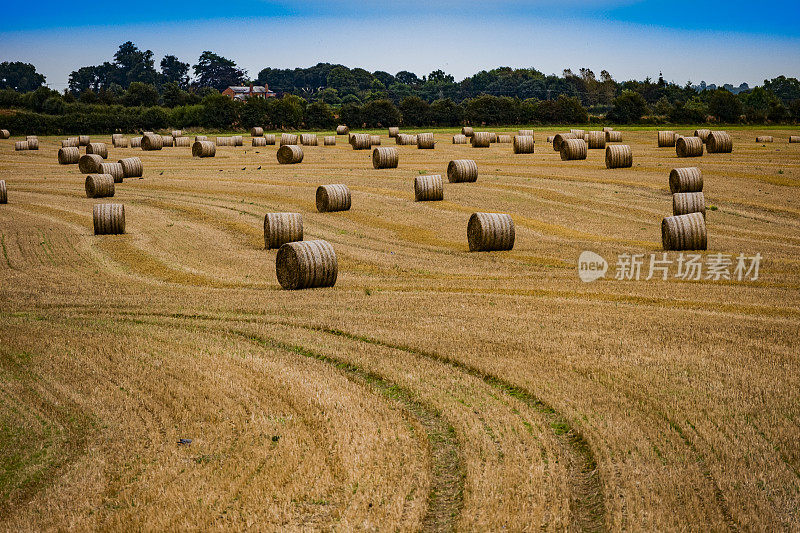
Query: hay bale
x=765, y=139
x=405, y=139
x=280, y=228
x=270, y=139
x=71, y=142
x=526, y=133
x=684, y=232
x=306, y=264
x=109, y=219
x=573, y=150
x=115, y=170
x=288, y=139
x=523, y=144
x=428, y=188
x=578, y=133
x=258, y=141
x=689, y=147
x=167, y=141
x=33, y=142
x=719, y=142
x=198, y=138
x=487, y=232
x=5, y=134
x=375, y=140
x=559, y=139
x=20, y=145
x=703, y=134
x=460, y=139
x=619, y=156
x=204, y=149
x=504, y=139
x=684, y=203
x=3, y=192
x=666, y=139
x=586, y=138
x=333, y=198
x=361, y=141
x=97, y=148
x=308, y=139
x=290, y=154
x=183, y=142
x=596, y=140
x=223, y=141
x=462, y=171
x=329, y=140
x=613, y=136
x=257, y=132
x=69, y=156
x=384, y=157
x=237, y=140
x=177, y=133
x=607, y=129
x=119, y=142
x=136, y=142
x=393, y=131
x=481, y=139
x=151, y=141
x=467, y=131
x=90, y=163
x=425, y=141
x=794, y=139
x=342, y=130
x=687, y=179
x=99, y=186
x=492, y=137
x=83, y=140
x=131, y=167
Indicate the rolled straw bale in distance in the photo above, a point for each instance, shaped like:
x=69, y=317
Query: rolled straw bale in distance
x=183, y=142
x=20, y=145
x=404, y=139
x=703, y=134
x=99, y=186
x=586, y=138
x=257, y=132
x=223, y=141
x=719, y=142
x=71, y=142
x=136, y=142
x=151, y=141
x=684, y=203
x=361, y=141
x=523, y=144
x=97, y=148
x=115, y=170
x=765, y=139
x=33, y=142
x=689, y=147
x=687, y=179
x=559, y=139
x=289, y=139
x=342, y=130
x=596, y=140
x=425, y=141
x=684, y=232
x=177, y=133
x=258, y=141
x=280, y=228
x=204, y=149
x=83, y=140
x=290, y=154
x=573, y=150
x=237, y=140
x=109, y=219
x=487, y=232
x=428, y=188
x=393, y=131
x=526, y=132
x=504, y=139
x=666, y=139
x=375, y=140
x=619, y=156
x=308, y=139
x=270, y=138
x=5, y=134
x=69, y=156
x=794, y=139
x=578, y=133
x=200, y=138
x=460, y=139
x=329, y=140
x=131, y=167
x=306, y=264
x=607, y=129
x=3, y=192
x=492, y=137
x=89, y=163
x=613, y=136
x=467, y=131
x=462, y=171
x=120, y=142
x=384, y=157
x=167, y=141
x=333, y=198
x=481, y=139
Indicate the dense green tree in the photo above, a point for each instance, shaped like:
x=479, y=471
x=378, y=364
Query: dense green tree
x=21, y=77
x=318, y=115
x=175, y=71
x=725, y=105
x=255, y=112
x=287, y=112
x=219, y=112
x=140, y=94
x=787, y=89
x=217, y=72
x=628, y=107
x=415, y=111
x=380, y=113
x=445, y=112
x=350, y=114
x=172, y=95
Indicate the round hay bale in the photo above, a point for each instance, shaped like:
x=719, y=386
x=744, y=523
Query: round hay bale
x=131, y=167
x=223, y=141
x=280, y=228
x=183, y=142
x=607, y=129
x=684, y=203
x=167, y=141
x=794, y=139
x=200, y=138
x=765, y=139
x=115, y=170
x=20, y=145
x=586, y=138
x=308, y=139
x=109, y=219
x=361, y=141
x=288, y=139
x=342, y=130
x=333, y=198
x=596, y=140
x=33, y=142
x=460, y=139
x=329, y=140
x=578, y=133
x=492, y=137
x=204, y=149
x=116, y=136
x=703, y=134
x=559, y=139
x=719, y=142
x=5, y=134
x=257, y=132
x=119, y=142
x=99, y=186
x=467, y=131
x=136, y=142
x=481, y=139
x=151, y=141
x=177, y=133
x=71, y=142
x=90, y=163
x=384, y=157
x=69, y=155
x=613, y=136
x=573, y=150
x=488, y=232
x=687, y=179
x=526, y=133
x=504, y=139
x=270, y=139
x=306, y=264
x=689, y=147
x=290, y=154
x=375, y=140
x=237, y=140
x=3, y=192
x=428, y=188
x=258, y=141
x=83, y=140
x=619, y=156
x=393, y=131
x=97, y=148
x=684, y=232
x=462, y=170
x=425, y=141
x=523, y=144
x=404, y=139
x=666, y=139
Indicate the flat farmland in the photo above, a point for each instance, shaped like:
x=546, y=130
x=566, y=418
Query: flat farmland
x=431, y=388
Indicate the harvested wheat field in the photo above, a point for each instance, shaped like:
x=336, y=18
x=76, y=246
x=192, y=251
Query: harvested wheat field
x=161, y=379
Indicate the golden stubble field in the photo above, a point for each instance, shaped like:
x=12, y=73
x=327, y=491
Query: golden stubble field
x=431, y=388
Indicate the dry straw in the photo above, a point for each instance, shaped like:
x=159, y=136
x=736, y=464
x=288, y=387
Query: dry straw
x=666, y=139
x=487, y=232
x=204, y=149
x=467, y=131
x=687, y=179
x=342, y=130
x=131, y=167
x=385, y=157
x=765, y=139
x=689, y=147
x=119, y=142
x=528, y=133
x=5, y=134
x=404, y=139
x=462, y=171
x=136, y=142
x=167, y=141
x=90, y=163
x=361, y=141
x=83, y=140
x=425, y=141
x=97, y=148
x=684, y=232
x=223, y=141
x=619, y=156
x=703, y=134
x=258, y=141
x=3, y=192
x=684, y=203
x=596, y=140
x=270, y=139
x=523, y=144
x=69, y=156
x=719, y=142
x=428, y=188
x=289, y=139
x=492, y=137
x=559, y=139
x=237, y=140
x=613, y=136
x=306, y=264
x=393, y=131
x=115, y=170
x=183, y=142
x=280, y=228
x=375, y=140
x=607, y=129
x=481, y=139
x=504, y=139
x=71, y=142
x=200, y=138
x=308, y=139
x=290, y=154
x=177, y=133
x=257, y=132
x=20, y=145
x=109, y=219
x=329, y=140
x=333, y=198
x=573, y=150
x=460, y=139
x=151, y=141
x=578, y=133
x=99, y=186
x=794, y=139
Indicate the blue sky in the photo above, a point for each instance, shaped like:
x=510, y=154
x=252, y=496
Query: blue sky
x=710, y=40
